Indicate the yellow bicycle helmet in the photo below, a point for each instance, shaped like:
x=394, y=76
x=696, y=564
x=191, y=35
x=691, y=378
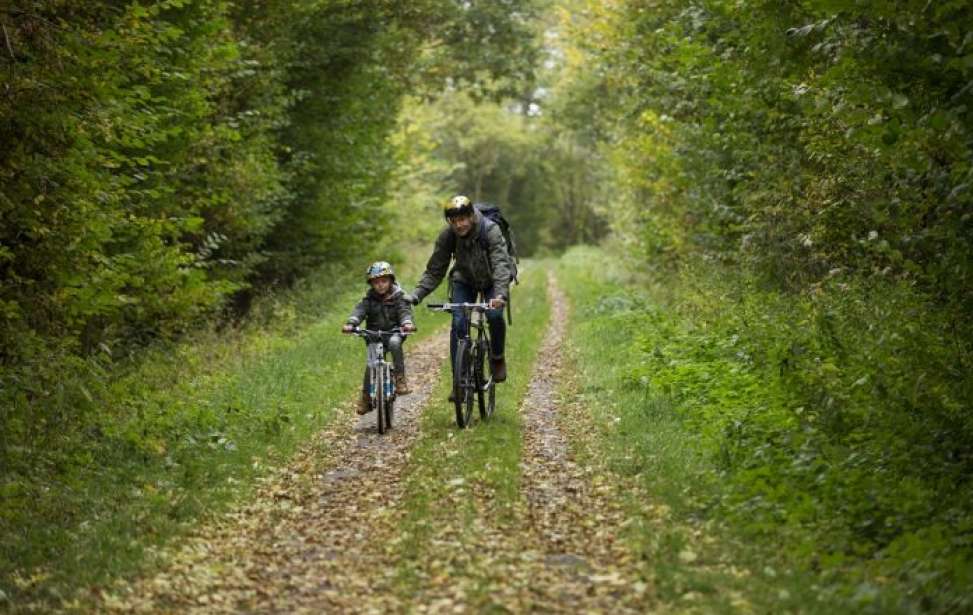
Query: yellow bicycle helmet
x=459, y=205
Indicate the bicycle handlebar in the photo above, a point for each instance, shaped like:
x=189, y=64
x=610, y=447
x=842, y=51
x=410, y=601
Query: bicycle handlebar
x=370, y=333
x=447, y=307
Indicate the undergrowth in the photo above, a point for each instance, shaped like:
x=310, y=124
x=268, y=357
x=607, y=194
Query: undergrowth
x=828, y=430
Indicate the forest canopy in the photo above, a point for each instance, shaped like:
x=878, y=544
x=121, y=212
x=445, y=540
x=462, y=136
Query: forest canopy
x=161, y=157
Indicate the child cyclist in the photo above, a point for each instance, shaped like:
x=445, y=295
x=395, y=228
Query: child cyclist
x=383, y=308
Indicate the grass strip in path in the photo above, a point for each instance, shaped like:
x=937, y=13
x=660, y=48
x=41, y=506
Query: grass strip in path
x=463, y=488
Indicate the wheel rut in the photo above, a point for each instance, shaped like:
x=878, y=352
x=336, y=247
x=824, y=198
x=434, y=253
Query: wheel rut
x=557, y=548
x=303, y=542
x=573, y=517
x=324, y=533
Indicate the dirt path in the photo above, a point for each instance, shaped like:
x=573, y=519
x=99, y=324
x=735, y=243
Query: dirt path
x=324, y=534
x=304, y=544
x=558, y=549
x=573, y=516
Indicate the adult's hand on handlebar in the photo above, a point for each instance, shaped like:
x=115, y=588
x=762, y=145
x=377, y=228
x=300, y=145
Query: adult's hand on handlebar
x=348, y=329
x=496, y=303
x=408, y=327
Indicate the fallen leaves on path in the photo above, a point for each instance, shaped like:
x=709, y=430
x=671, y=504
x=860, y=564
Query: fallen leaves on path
x=574, y=518
x=555, y=548
x=307, y=541
x=325, y=533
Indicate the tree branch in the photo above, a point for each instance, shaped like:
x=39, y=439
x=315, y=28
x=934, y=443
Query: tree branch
x=6, y=37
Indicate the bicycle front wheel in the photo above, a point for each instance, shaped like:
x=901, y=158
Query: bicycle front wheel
x=485, y=391
x=380, y=400
x=390, y=401
x=463, y=383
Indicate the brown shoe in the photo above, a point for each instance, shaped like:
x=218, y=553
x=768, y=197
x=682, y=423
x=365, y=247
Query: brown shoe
x=364, y=405
x=498, y=367
x=401, y=385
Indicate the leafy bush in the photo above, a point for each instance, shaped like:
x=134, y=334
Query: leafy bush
x=833, y=422
x=167, y=161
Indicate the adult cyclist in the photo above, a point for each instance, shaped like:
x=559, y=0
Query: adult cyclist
x=481, y=267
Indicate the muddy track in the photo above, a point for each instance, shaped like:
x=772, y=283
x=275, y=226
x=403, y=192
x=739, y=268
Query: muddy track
x=573, y=516
x=304, y=543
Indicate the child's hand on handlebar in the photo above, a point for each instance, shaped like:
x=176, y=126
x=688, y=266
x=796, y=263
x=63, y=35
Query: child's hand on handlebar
x=347, y=328
x=408, y=327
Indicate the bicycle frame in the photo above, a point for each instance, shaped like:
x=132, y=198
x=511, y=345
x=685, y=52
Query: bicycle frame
x=381, y=374
x=469, y=376
x=380, y=369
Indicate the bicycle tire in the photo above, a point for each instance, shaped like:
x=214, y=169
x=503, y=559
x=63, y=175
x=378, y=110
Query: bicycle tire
x=487, y=386
x=380, y=400
x=390, y=402
x=480, y=380
x=463, y=383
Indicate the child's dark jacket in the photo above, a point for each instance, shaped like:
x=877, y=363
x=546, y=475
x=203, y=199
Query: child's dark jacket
x=382, y=313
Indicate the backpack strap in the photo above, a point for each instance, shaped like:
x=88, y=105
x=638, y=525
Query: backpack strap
x=485, y=224
x=485, y=244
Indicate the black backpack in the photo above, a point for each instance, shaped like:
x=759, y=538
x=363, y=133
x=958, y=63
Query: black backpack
x=492, y=213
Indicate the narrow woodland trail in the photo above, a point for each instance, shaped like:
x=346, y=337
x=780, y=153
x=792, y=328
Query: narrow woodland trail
x=559, y=551
x=325, y=535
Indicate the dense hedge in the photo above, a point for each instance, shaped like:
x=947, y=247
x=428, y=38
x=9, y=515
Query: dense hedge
x=162, y=160
x=818, y=157
x=160, y=157
x=809, y=139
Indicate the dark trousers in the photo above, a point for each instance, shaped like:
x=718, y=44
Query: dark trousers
x=464, y=293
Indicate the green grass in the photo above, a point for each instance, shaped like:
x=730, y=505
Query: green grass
x=178, y=435
x=641, y=434
x=485, y=457
x=780, y=428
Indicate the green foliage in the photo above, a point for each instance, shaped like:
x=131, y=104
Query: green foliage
x=797, y=175
x=163, y=163
x=501, y=153
x=832, y=425
x=798, y=138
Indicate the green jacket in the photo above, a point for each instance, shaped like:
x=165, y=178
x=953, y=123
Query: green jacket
x=474, y=265
x=382, y=313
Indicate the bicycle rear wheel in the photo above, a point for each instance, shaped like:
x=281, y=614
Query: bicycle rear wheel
x=463, y=383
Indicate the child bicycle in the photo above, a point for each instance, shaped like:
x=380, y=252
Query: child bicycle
x=470, y=378
x=381, y=374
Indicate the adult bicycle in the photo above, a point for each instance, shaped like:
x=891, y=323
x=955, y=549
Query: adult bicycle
x=470, y=377
x=381, y=374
